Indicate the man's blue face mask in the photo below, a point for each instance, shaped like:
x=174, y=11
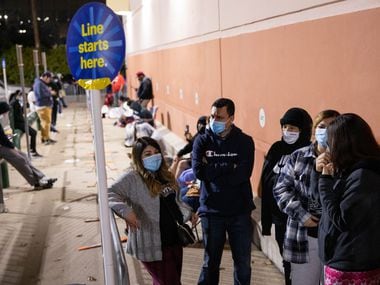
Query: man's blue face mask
x=153, y=162
x=217, y=127
x=321, y=136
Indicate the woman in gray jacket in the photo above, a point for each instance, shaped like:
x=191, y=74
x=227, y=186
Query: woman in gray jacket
x=146, y=196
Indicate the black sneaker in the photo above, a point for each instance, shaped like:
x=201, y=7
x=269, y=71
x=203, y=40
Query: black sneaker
x=51, y=180
x=35, y=154
x=49, y=141
x=40, y=186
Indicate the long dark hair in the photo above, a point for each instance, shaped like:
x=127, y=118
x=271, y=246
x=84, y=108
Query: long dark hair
x=162, y=176
x=350, y=140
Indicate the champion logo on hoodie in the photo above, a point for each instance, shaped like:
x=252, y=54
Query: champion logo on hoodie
x=212, y=153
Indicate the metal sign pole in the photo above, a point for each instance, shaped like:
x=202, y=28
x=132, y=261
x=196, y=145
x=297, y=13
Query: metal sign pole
x=36, y=63
x=43, y=58
x=94, y=71
x=105, y=224
x=25, y=100
x=5, y=78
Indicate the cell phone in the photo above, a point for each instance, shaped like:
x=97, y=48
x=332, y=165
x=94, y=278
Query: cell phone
x=187, y=129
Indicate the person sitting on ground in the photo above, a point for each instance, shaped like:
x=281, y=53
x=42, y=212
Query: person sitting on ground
x=134, y=112
x=179, y=164
x=20, y=161
x=19, y=121
x=108, y=100
x=135, y=130
x=189, y=189
x=119, y=111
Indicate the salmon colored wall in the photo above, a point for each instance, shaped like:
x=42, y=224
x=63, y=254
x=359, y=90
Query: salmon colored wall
x=327, y=63
x=192, y=68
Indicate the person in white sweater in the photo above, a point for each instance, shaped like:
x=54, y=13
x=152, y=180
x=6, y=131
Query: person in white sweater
x=147, y=197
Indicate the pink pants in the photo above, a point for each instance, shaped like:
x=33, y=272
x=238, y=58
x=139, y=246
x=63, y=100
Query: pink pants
x=333, y=277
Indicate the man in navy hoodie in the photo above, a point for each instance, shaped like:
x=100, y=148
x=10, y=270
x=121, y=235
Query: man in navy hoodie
x=222, y=159
x=44, y=103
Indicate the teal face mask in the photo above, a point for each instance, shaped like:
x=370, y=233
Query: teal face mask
x=321, y=137
x=217, y=127
x=153, y=162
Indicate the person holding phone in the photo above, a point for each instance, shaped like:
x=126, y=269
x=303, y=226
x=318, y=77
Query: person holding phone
x=179, y=164
x=296, y=193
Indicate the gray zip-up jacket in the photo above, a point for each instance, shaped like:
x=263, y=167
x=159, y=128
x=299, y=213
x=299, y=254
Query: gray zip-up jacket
x=130, y=193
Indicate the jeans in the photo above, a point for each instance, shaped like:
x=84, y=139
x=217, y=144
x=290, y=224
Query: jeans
x=239, y=230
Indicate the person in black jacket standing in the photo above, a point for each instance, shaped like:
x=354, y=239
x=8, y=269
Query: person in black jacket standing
x=20, y=161
x=145, y=90
x=296, y=126
x=349, y=234
x=19, y=121
x=222, y=159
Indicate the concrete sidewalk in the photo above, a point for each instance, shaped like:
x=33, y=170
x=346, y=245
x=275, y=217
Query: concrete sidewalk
x=42, y=230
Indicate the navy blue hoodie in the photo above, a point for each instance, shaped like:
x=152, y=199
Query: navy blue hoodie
x=224, y=165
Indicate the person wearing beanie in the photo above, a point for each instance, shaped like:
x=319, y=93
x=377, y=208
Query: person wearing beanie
x=19, y=160
x=296, y=125
x=296, y=193
x=145, y=90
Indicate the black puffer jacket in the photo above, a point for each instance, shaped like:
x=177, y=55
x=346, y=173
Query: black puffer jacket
x=349, y=231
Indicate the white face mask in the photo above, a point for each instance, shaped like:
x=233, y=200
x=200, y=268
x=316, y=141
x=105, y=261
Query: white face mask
x=290, y=137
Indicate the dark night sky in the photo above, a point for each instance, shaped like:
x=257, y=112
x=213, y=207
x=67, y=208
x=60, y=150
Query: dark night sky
x=61, y=10
x=59, y=14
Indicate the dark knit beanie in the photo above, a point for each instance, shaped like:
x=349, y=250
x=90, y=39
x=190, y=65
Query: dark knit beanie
x=300, y=118
x=297, y=117
x=4, y=107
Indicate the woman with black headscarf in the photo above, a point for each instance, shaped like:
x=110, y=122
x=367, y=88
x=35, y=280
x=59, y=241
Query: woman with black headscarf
x=296, y=125
x=296, y=193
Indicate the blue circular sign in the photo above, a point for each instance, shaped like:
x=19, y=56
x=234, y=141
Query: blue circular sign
x=95, y=45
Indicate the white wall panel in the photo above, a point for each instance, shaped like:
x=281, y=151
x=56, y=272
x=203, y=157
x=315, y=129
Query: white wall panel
x=153, y=23
x=242, y=12
x=161, y=24
x=185, y=19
